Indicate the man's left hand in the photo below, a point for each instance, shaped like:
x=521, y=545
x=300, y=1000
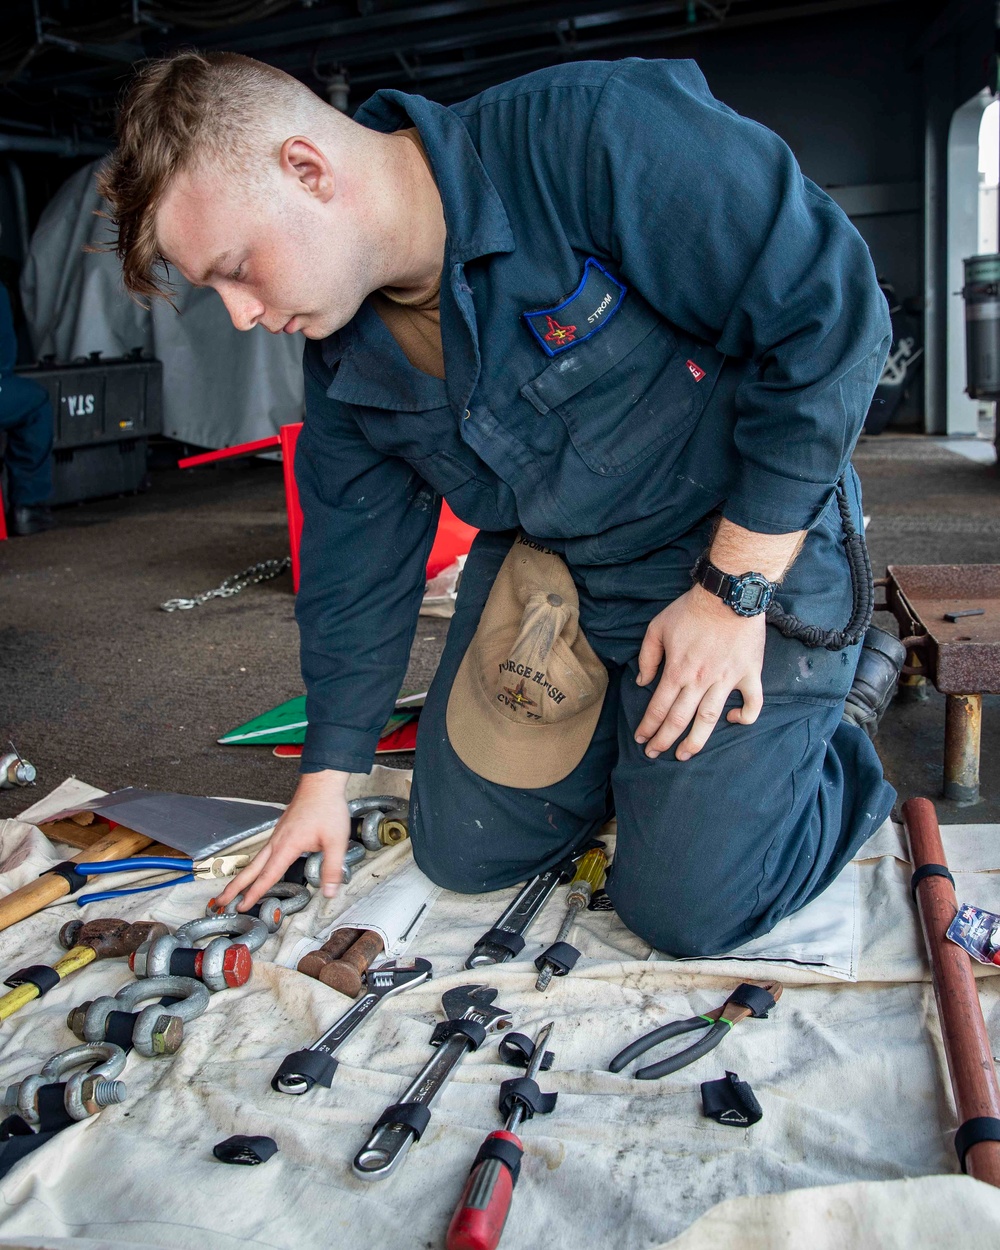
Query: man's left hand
x=709, y=651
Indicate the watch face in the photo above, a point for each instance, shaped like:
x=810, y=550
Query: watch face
x=750, y=595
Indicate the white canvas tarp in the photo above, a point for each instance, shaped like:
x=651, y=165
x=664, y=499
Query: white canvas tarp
x=854, y=1148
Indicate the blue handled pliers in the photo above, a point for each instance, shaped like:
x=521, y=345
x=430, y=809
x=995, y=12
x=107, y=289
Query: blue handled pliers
x=748, y=999
x=187, y=870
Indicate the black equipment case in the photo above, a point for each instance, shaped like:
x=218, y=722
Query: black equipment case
x=105, y=410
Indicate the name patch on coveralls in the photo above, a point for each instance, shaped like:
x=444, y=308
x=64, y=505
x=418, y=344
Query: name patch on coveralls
x=589, y=309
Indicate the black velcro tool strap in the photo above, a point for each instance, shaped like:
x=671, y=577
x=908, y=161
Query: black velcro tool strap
x=295, y=874
x=118, y=1029
x=561, y=956
x=68, y=870
x=500, y=1148
x=414, y=1115
x=313, y=1067
x=972, y=1132
x=753, y=997
x=512, y=942
x=730, y=1101
x=521, y=1090
x=516, y=1050
x=246, y=1150
x=928, y=870
x=472, y=1030
x=41, y=976
x=18, y=1139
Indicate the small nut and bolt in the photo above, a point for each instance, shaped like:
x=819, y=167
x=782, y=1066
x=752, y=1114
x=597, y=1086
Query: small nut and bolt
x=97, y=1092
x=391, y=831
x=168, y=1033
x=76, y=1018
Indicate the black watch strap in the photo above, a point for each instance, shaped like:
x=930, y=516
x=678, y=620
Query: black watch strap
x=714, y=580
x=732, y=588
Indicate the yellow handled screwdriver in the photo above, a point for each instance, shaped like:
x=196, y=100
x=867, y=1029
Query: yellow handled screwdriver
x=560, y=956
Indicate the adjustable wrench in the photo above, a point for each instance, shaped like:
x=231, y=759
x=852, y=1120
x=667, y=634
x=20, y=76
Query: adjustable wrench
x=303, y=1069
x=391, y=1138
x=506, y=938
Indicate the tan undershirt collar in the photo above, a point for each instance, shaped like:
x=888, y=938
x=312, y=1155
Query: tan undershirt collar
x=413, y=318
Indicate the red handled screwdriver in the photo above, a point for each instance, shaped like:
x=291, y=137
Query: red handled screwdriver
x=483, y=1208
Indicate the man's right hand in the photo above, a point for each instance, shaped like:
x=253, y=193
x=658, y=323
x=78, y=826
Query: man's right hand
x=316, y=820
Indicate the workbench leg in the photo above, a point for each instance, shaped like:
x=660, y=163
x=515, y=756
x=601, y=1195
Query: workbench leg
x=962, y=725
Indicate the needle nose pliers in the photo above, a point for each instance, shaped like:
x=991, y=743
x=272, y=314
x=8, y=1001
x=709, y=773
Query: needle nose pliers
x=748, y=999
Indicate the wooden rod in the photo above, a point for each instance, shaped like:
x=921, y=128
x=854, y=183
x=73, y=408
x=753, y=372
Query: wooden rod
x=966, y=1043
x=50, y=887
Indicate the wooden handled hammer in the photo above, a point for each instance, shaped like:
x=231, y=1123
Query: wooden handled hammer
x=87, y=941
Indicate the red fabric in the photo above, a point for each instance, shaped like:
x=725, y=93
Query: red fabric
x=402, y=739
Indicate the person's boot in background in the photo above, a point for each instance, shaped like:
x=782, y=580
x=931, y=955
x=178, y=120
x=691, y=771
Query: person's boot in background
x=875, y=679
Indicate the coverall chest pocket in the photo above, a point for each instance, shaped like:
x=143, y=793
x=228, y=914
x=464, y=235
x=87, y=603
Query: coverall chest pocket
x=628, y=391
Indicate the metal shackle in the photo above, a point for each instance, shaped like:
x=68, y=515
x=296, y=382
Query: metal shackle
x=385, y=803
x=148, y=1029
x=157, y=1030
x=152, y=959
x=250, y=931
x=354, y=854
x=380, y=829
x=282, y=899
x=374, y=808
x=221, y=965
x=85, y=1093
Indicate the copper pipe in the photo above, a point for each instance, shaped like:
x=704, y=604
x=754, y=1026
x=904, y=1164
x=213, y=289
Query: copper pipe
x=966, y=1044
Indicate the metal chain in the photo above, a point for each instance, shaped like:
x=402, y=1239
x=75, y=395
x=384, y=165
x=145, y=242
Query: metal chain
x=262, y=571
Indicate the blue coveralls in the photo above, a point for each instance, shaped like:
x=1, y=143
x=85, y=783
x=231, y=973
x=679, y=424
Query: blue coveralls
x=706, y=332
x=26, y=418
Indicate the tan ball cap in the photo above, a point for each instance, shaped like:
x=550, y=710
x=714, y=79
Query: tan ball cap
x=528, y=693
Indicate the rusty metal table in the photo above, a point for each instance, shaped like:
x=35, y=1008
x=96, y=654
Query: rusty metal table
x=961, y=656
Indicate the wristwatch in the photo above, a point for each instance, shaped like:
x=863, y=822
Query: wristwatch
x=748, y=594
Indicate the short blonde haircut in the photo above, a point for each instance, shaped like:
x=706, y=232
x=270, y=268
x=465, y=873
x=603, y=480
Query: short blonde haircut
x=175, y=111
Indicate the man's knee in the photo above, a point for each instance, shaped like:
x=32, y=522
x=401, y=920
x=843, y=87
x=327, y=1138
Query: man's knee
x=456, y=849
x=446, y=867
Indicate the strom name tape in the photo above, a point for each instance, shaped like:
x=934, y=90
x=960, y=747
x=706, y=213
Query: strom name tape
x=580, y=315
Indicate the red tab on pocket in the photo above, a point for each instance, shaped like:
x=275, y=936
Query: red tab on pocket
x=696, y=371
